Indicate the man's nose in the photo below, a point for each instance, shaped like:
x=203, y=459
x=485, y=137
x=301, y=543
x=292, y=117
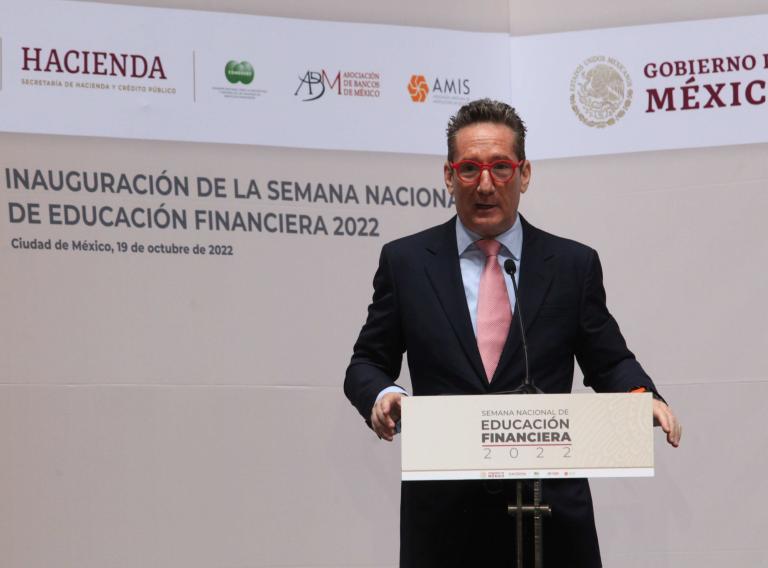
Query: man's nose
x=485, y=183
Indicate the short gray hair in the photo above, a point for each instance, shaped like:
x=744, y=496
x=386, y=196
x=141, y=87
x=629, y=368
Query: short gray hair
x=486, y=110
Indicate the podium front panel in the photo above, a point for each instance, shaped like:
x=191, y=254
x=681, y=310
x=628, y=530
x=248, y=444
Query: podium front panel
x=527, y=436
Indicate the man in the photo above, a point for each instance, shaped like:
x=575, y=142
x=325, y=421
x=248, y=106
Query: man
x=442, y=297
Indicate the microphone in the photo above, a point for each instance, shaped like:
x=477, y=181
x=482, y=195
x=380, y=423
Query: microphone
x=527, y=387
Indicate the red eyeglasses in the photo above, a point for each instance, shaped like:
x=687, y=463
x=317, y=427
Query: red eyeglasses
x=501, y=171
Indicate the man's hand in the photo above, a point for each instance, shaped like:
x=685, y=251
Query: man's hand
x=662, y=416
x=385, y=414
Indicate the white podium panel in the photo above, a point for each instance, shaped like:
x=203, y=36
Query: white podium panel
x=527, y=436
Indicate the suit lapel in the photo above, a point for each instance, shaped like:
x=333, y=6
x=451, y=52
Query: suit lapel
x=536, y=271
x=444, y=275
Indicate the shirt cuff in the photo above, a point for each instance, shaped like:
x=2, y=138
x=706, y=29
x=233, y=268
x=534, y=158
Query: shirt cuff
x=389, y=390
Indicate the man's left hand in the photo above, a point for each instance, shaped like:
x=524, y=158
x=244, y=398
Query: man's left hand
x=663, y=416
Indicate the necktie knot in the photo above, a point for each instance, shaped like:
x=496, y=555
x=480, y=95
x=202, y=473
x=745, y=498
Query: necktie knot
x=490, y=247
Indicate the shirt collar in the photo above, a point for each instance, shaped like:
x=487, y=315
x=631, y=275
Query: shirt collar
x=511, y=239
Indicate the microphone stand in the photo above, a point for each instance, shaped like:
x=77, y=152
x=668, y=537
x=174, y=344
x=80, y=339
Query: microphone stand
x=518, y=509
x=527, y=387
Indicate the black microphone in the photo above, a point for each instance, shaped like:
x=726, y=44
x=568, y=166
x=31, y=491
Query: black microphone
x=527, y=387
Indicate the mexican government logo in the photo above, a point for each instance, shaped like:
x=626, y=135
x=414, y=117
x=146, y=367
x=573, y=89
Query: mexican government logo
x=601, y=91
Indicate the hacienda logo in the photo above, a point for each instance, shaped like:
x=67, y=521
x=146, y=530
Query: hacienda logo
x=103, y=71
x=99, y=63
x=239, y=72
x=448, y=90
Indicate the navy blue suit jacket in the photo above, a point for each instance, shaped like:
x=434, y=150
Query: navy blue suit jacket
x=419, y=308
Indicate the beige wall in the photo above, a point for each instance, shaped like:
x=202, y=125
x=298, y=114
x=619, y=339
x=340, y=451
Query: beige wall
x=211, y=449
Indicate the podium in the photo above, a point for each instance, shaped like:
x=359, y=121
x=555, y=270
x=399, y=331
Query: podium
x=529, y=437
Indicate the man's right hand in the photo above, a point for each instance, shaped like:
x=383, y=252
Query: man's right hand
x=385, y=415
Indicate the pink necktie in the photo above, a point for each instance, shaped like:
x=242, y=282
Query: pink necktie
x=493, y=312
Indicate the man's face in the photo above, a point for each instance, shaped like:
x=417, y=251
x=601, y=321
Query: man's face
x=484, y=206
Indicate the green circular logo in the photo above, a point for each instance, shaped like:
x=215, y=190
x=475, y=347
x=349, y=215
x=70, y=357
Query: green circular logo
x=239, y=72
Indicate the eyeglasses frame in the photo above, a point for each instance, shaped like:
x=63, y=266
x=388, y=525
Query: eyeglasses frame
x=486, y=166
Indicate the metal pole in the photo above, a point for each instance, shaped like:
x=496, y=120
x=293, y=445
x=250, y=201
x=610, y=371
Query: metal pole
x=537, y=510
x=538, y=529
x=519, y=523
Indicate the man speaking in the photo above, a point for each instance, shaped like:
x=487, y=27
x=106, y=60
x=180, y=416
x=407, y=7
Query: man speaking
x=442, y=297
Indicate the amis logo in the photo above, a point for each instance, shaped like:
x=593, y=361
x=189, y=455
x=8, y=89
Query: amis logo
x=418, y=88
x=451, y=87
x=439, y=90
x=104, y=63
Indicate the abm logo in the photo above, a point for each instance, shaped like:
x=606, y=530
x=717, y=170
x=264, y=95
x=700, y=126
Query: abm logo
x=239, y=72
x=313, y=84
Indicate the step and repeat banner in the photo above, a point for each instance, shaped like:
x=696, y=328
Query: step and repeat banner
x=657, y=87
x=206, y=77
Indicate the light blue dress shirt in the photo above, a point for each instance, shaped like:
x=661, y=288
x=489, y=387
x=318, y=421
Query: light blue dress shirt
x=472, y=262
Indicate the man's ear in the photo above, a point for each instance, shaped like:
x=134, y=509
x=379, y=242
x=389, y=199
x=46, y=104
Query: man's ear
x=448, y=175
x=525, y=176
